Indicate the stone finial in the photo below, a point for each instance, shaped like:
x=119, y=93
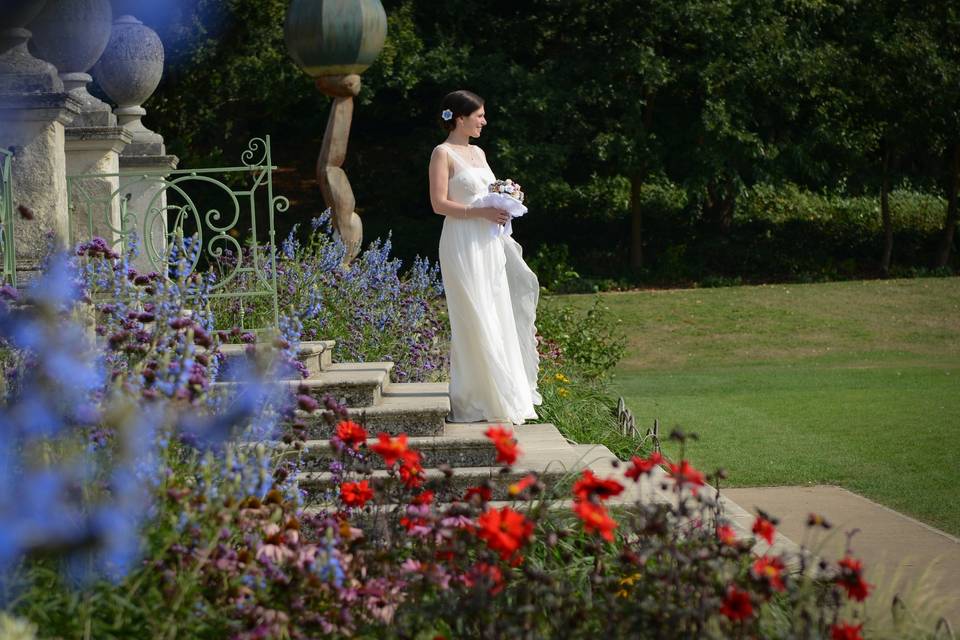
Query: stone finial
x=129, y=71
x=72, y=35
x=20, y=72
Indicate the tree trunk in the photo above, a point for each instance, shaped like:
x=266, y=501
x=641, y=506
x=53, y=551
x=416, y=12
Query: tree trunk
x=720, y=200
x=885, y=214
x=636, y=222
x=953, y=210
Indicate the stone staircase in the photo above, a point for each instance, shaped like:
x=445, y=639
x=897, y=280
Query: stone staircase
x=420, y=409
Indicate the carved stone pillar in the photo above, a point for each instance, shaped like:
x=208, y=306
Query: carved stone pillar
x=33, y=111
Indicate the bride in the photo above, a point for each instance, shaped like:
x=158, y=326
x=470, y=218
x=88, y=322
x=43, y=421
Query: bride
x=491, y=293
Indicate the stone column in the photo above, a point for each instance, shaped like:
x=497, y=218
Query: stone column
x=33, y=111
x=129, y=71
x=72, y=35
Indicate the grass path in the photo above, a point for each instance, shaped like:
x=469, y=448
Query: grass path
x=855, y=384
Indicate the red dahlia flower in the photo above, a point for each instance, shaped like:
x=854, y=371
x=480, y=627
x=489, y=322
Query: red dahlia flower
x=504, y=530
x=851, y=579
x=356, y=494
x=484, y=493
x=521, y=485
x=845, y=631
x=411, y=471
x=726, y=535
x=590, y=485
x=390, y=449
x=351, y=434
x=485, y=572
x=736, y=604
x=643, y=466
x=769, y=570
x=685, y=474
x=595, y=519
x=505, y=444
x=765, y=529
x=423, y=498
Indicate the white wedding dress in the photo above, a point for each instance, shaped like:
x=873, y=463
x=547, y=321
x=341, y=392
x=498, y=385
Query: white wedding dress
x=492, y=302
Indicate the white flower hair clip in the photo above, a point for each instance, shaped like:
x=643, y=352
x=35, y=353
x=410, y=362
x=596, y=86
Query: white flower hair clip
x=447, y=115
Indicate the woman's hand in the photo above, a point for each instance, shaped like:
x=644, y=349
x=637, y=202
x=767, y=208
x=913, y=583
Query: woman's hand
x=496, y=216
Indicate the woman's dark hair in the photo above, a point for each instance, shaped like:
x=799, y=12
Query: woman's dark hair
x=460, y=103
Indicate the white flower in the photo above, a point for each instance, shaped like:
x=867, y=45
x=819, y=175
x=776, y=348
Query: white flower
x=447, y=115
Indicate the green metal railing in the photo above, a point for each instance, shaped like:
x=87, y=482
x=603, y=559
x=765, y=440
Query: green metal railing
x=6, y=219
x=160, y=213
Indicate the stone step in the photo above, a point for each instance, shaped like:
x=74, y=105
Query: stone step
x=358, y=384
x=543, y=451
x=414, y=408
x=459, y=445
x=317, y=485
x=316, y=355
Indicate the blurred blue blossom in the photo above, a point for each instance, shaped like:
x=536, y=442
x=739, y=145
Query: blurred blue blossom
x=90, y=408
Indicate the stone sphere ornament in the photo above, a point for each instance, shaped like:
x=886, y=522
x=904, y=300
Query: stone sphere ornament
x=129, y=71
x=335, y=37
x=72, y=35
x=20, y=71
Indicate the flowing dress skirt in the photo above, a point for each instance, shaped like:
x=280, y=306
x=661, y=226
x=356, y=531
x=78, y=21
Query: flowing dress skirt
x=492, y=300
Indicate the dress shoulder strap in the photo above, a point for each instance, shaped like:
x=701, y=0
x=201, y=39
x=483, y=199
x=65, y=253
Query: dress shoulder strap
x=456, y=156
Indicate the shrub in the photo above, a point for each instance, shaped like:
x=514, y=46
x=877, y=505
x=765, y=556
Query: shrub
x=551, y=264
x=578, y=351
x=592, y=342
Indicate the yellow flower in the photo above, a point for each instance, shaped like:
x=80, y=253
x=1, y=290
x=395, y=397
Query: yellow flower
x=630, y=580
x=563, y=392
x=561, y=378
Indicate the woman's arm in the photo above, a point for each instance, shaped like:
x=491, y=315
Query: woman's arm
x=440, y=201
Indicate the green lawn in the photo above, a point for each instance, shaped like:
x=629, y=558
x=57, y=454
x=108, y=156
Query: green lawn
x=854, y=383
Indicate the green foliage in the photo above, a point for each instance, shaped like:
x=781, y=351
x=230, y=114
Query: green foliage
x=229, y=79
x=700, y=100
x=552, y=266
x=591, y=342
x=583, y=409
x=912, y=211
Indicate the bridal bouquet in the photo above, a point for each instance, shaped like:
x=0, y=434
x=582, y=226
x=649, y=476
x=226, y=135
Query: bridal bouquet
x=506, y=195
x=507, y=188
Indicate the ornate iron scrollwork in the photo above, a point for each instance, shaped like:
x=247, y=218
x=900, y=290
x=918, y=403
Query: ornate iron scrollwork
x=159, y=213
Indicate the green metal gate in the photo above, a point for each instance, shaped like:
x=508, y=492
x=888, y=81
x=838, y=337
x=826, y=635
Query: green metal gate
x=6, y=219
x=164, y=212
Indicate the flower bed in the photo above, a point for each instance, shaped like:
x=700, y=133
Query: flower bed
x=129, y=510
